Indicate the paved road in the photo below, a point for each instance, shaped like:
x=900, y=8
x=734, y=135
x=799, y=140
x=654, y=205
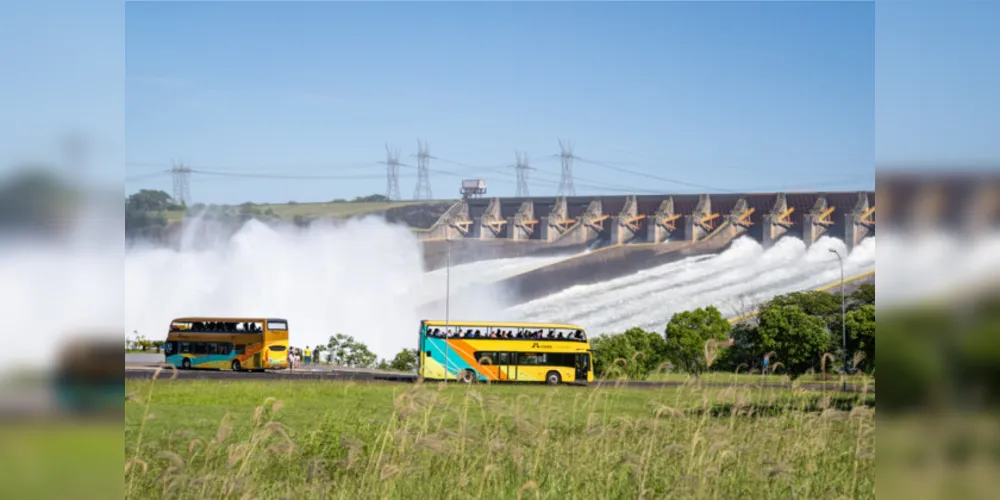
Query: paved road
x=336, y=373
x=142, y=359
x=319, y=373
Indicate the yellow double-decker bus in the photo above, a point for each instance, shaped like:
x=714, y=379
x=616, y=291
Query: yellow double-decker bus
x=228, y=343
x=504, y=352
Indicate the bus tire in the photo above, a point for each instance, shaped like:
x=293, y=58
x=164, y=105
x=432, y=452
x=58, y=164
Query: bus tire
x=553, y=378
x=236, y=365
x=186, y=364
x=467, y=376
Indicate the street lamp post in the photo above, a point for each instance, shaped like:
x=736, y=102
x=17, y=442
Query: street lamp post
x=843, y=316
x=447, y=306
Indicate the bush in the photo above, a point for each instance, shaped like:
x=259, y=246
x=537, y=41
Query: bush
x=634, y=354
x=686, y=336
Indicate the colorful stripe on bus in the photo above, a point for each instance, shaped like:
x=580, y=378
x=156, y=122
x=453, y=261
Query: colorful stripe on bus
x=225, y=361
x=461, y=357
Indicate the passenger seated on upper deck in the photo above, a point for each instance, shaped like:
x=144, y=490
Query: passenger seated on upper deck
x=561, y=336
x=479, y=334
x=579, y=335
x=468, y=333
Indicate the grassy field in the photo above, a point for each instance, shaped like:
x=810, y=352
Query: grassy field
x=299, y=439
x=750, y=378
x=338, y=210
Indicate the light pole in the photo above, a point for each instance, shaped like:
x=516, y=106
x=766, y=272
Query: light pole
x=843, y=316
x=447, y=306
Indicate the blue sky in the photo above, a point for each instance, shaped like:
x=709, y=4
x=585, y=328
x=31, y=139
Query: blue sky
x=735, y=96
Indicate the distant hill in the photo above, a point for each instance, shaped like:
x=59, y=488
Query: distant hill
x=152, y=215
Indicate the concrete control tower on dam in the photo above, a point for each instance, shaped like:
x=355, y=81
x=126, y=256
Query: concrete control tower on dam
x=627, y=234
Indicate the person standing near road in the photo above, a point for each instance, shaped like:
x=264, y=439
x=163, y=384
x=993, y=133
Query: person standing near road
x=308, y=356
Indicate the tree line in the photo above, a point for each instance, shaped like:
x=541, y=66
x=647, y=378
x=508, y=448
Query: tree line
x=798, y=332
x=145, y=212
x=345, y=350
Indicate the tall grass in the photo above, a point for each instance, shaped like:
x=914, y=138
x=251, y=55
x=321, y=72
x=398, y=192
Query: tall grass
x=314, y=439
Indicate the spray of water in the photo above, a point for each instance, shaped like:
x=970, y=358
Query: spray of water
x=59, y=289
x=936, y=265
x=365, y=278
x=361, y=279
x=740, y=277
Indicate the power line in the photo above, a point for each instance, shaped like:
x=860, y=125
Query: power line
x=423, y=189
x=651, y=176
x=142, y=177
x=566, y=180
x=506, y=172
x=392, y=173
x=224, y=168
x=284, y=176
x=182, y=183
x=522, y=174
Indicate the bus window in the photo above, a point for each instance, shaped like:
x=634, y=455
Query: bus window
x=170, y=347
x=199, y=348
x=531, y=358
x=277, y=325
x=240, y=348
x=185, y=348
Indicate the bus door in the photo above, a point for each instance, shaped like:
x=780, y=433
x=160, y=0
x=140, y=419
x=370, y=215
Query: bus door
x=507, y=366
x=582, y=367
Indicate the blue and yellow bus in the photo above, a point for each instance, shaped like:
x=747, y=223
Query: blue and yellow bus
x=504, y=352
x=228, y=343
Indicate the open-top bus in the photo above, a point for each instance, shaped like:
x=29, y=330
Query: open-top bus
x=504, y=352
x=228, y=343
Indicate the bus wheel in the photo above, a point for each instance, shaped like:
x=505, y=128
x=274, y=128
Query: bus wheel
x=236, y=365
x=553, y=378
x=467, y=376
x=186, y=364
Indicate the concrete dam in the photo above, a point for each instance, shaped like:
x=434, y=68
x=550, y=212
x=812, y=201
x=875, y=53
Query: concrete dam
x=610, y=236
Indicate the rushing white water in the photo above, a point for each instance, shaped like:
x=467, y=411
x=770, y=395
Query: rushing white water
x=360, y=279
x=53, y=290
x=734, y=280
x=464, y=276
x=936, y=265
x=366, y=279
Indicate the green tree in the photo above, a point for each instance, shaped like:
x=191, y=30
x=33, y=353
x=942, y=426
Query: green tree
x=687, y=333
x=372, y=198
x=346, y=351
x=744, y=354
x=641, y=352
x=865, y=295
x=405, y=361
x=797, y=339
x=148, y=200
x=861, y=334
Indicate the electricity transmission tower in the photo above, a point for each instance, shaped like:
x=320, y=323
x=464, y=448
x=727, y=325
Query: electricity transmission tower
x=423, y=190
x=566, y=179
x=392, y=173
x=522, y=169
x=182, y=186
